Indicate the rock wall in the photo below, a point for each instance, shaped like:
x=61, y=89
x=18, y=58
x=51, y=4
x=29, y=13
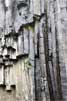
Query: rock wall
x=33, y=50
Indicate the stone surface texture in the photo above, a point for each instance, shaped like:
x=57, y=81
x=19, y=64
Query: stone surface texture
x=33, y=51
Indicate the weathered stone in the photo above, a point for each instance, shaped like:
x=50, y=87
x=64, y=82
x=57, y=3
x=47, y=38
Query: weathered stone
x=33, y=52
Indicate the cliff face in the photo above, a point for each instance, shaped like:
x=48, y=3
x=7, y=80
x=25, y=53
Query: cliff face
x=33, y=52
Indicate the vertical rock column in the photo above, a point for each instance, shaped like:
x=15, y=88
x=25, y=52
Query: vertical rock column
x=61, y=23
x=44, y=82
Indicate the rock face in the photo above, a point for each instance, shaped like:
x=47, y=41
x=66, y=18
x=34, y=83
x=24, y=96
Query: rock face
x=33, y=52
